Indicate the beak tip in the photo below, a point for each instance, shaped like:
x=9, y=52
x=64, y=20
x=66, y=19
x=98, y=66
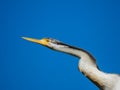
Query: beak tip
x=22, y=37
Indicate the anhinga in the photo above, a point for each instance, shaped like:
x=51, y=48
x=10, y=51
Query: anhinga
x=87, y=63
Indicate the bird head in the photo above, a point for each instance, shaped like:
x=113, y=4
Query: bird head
x=56, y=45
x=48, y=42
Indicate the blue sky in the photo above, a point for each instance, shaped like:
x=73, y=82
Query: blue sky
x=89, y=24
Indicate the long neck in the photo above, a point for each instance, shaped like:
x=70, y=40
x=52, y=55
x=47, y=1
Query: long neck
x=87, y=65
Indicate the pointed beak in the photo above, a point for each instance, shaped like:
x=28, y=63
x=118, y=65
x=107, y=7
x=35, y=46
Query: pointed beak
x=42, y=41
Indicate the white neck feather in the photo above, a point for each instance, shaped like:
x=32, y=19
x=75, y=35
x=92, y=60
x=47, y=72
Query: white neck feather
x=87, y=65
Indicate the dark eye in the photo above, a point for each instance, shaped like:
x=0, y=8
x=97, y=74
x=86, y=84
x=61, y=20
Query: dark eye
x=47, y=40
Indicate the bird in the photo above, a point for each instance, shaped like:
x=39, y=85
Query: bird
x=87, y=63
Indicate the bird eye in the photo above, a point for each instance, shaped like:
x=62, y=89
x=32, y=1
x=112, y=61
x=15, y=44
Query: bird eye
x=51, y=40
x=47, y=40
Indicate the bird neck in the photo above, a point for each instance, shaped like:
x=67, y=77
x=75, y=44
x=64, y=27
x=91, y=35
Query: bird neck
x=87, y=65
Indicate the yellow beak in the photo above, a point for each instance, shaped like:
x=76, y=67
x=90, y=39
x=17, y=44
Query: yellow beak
x=42, y=41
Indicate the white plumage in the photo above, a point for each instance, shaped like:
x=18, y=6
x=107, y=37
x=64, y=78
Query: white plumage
x=87, y=64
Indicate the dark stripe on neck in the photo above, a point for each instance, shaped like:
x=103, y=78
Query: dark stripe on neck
x=72, y=47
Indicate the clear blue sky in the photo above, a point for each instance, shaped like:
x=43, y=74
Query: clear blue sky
x=90, y=24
